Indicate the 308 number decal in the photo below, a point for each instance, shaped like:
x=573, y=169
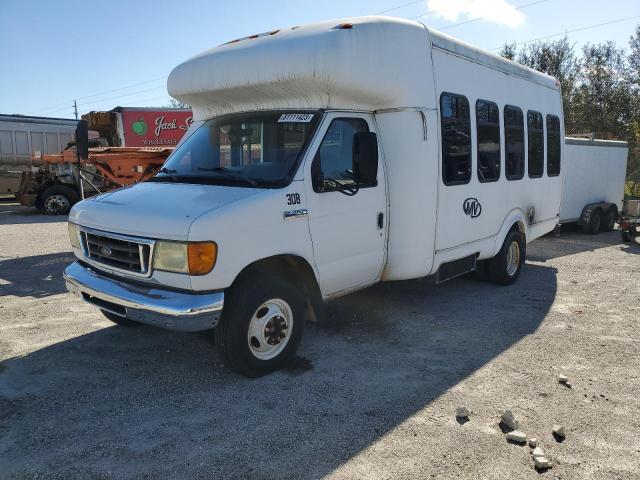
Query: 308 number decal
x=293, y=199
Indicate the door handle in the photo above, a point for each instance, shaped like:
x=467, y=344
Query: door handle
x=380, y=220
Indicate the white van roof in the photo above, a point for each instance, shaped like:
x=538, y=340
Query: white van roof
x=361, y=63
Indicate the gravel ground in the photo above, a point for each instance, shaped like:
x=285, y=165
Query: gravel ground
x=372, y=395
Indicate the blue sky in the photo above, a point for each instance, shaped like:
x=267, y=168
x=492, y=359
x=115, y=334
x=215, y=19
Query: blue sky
x=54, y=51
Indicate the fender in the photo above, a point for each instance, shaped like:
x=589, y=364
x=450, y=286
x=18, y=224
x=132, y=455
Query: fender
x=514, y=216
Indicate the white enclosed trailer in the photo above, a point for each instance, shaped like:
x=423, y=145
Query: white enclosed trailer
x=593, y=185
x=322, y=159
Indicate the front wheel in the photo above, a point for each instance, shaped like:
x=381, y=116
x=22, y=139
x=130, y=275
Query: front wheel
x=505, y=267
x=261, y=325
x=57, y=199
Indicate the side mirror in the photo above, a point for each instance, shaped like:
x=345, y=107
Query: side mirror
x=82, y=139
x=365, y=157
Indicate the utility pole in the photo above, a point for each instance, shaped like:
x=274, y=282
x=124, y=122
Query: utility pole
x=75, y=109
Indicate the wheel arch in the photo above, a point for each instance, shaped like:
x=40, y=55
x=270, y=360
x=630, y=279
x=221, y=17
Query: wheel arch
x=515, y=219
x=295, y=269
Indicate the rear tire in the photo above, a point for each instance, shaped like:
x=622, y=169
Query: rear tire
x=261, y=326
x=118, y=320
x=57, y=199
x=505, y=267
x=595, y=221
x=609, y=220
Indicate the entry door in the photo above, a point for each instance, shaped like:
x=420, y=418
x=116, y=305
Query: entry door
x=348, y=231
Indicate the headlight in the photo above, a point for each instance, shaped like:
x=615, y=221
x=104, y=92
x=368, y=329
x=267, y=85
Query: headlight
x=194, y=258
x=73, y=235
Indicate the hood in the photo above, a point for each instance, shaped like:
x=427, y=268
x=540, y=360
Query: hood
x=155, y=210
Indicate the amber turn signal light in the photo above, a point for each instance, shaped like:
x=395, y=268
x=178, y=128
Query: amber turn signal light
x=202, y=257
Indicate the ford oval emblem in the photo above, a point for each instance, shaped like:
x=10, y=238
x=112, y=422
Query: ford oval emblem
x=106, y=251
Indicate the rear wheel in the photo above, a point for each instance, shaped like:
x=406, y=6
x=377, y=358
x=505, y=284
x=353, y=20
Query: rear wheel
x=261, y=325
x=594, y=223
x=57, y=199
x=609, y=220
x=118, y=320
x=505, y=267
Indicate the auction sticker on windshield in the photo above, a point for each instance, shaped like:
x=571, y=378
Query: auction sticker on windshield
x=295, y=117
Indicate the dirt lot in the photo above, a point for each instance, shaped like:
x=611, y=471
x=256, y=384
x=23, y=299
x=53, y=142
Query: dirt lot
x=373, y=393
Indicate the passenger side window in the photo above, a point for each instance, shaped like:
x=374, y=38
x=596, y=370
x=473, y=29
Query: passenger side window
x=488, y=128
x=334, y=159
x=553, y=146
x=514, y=142
x=535, y=136
x=456, y=139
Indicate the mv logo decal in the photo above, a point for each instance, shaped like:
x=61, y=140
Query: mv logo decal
x=472, y=207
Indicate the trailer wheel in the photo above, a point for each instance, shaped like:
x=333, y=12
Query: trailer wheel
x=57, y=199
x=261, y=325
x=121, y=321
x=609, y=220
x=505, y=267
x=593, y=225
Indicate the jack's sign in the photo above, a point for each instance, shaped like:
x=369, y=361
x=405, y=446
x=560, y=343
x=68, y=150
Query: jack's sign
x=154, y=128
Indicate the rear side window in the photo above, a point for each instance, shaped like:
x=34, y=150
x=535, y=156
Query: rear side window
x=553, y=146
x=456, y=139
x=535, y=136
x=514, y=142
x=488, y=127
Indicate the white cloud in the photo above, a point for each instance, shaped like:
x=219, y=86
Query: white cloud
x=497, y=11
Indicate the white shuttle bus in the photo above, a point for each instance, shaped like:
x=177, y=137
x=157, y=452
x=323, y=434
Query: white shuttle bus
x=323, y=159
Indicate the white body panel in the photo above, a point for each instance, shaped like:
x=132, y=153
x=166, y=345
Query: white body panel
x=388, y=72
x=594, y=171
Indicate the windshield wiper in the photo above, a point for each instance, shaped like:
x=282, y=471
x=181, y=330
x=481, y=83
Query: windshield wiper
x=230, y=175
x=169, y=172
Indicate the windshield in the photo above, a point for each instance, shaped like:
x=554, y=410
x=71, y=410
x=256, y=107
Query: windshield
x=259, y=149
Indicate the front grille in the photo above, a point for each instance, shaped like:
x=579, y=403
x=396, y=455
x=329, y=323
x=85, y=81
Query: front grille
x=117, y=251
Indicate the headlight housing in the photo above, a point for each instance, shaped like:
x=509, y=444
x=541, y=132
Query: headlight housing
x=193, y=258
x=73, y=235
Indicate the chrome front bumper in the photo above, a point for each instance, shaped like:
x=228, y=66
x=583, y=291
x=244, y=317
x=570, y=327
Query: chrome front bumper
x=187, y=312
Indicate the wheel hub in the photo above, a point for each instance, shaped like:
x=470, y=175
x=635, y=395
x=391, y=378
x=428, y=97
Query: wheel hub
x=270, y=329
x=275, y=330
x=56, y=204
x=513, y=258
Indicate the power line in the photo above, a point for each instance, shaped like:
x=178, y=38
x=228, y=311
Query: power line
x=399, y=7
x=45, y=109
x=580, y=29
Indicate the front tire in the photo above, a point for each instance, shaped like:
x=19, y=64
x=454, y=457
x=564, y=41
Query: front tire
x=505, y=267
x=57, y=199
x=261, y=326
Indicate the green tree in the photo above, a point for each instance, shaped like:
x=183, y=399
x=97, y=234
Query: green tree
x=509, y=51
x=602, y=96
x=556, y=58
x=173, y=103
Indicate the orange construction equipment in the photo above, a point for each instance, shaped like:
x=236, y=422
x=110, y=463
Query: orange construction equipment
x=120, y=165
x=63, y=179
